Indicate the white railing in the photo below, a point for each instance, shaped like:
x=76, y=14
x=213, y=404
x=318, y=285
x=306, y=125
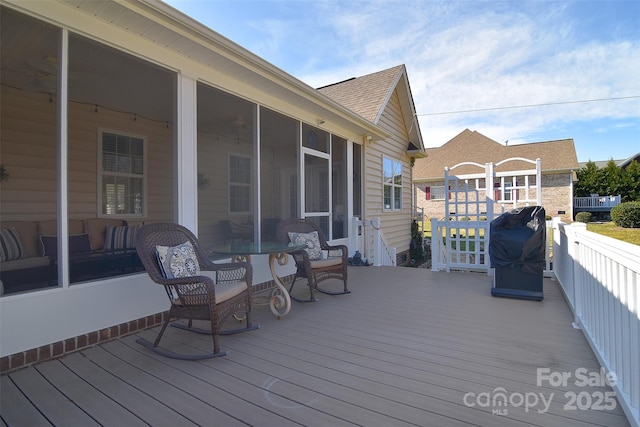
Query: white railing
x=475, y=241
x=598, y=202
x=600, y=278
x=370, y=241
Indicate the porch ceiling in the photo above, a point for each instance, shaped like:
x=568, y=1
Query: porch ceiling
x=404, y=348
x=162, y=25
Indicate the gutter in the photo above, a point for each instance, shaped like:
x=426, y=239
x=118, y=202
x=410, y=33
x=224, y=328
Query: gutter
x=196, y=31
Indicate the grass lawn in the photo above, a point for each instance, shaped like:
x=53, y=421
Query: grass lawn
x=630, y=235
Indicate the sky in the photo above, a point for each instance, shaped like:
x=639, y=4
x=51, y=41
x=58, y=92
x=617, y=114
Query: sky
x=515, y=71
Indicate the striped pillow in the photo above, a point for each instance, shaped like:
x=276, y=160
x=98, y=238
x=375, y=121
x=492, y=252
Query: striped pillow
x=120, y=237
x=10, y=245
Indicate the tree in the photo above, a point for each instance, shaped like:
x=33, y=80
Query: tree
x=631, y=182
x=609, y=181
x=588, y=180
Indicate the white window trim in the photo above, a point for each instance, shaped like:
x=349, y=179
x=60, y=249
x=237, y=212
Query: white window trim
x=392, y=185
x=443, y=192
x=239, y=184
x=101, y=173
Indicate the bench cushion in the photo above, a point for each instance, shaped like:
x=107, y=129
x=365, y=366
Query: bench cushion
x=10, y=246
x=97, y=228
x=28, y=231
x=24, y=263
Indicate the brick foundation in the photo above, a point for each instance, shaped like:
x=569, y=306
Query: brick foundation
x=64, y=347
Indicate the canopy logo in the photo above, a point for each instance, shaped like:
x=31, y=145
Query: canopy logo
x=500, y=400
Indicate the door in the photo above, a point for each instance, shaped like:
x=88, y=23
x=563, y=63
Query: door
x=316, y=197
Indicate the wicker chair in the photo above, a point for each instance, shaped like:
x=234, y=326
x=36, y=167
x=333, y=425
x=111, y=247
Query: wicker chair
x=195, y=297
x=315, y=271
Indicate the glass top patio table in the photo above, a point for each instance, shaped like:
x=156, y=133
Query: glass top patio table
x=279, y=300
x=254, y=248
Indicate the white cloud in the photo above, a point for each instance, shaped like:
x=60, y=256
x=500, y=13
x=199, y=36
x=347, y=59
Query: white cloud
x=469, y=55
x=465, y=55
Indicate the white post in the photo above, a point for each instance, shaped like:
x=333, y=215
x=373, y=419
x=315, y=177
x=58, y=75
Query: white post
x=578, y=270
x=538, y=182
x=377, y=244
x=435, y=244
x=488, y=188
x=354, y=235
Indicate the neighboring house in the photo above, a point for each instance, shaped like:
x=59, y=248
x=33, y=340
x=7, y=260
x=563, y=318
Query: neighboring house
x=557, y=159
x=384, y=98
x=116, y=114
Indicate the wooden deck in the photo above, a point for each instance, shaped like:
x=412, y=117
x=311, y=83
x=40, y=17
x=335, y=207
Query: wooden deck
x=407, y=347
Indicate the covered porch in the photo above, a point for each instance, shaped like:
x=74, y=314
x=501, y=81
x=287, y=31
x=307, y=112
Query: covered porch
x=406, y=347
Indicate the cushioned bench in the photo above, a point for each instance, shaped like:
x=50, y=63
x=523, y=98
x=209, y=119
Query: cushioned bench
x=28, y=250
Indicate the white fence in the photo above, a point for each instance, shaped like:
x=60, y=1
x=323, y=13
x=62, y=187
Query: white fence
x=600, y=278
x=465, y=248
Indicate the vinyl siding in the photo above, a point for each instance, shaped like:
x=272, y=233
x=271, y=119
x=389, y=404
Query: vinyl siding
x=396, y=224
x=29, y=153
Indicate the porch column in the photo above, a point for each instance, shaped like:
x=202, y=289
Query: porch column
x=185, y=149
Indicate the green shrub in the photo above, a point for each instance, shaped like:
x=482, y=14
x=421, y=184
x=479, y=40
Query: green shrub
x=583, y=217
x=626, y=215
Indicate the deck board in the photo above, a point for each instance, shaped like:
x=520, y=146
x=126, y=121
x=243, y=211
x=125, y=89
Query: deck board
x=15, y=408
x=53, y=405
x=92, y=401
x=137, y=401
x=404, y=348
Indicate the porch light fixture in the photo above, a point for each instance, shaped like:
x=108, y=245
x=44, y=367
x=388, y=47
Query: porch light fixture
x=239, y=127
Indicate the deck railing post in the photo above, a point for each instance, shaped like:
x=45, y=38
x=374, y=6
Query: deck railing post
x=578, y=271
x=435, y=245
x=377, y=244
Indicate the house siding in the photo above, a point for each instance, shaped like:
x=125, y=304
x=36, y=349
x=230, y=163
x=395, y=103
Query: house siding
x=29, y=196
x=396, y=224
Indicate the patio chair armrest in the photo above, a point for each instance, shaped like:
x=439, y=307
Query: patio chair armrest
x=342, y=248
x=189, y=280
x=186, y=290
x=233, y=272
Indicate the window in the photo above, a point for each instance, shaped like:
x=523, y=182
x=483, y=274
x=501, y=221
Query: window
x=392, y=184
x=507, y=191
x=509, y=194
x=239, y=184
x=122, y=174
x=435, y=192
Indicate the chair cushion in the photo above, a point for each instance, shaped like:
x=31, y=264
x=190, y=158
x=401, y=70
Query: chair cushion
x=226, y=291
x=311, y=240
x=122, y=237
x=328, y=262
x=10, y=245
x=178, y=261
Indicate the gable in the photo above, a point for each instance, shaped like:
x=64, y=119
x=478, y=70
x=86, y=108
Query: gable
x=365, y=95
x=370, y=96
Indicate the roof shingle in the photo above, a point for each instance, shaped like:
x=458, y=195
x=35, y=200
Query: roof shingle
x=472, y=146
x=365, y=95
